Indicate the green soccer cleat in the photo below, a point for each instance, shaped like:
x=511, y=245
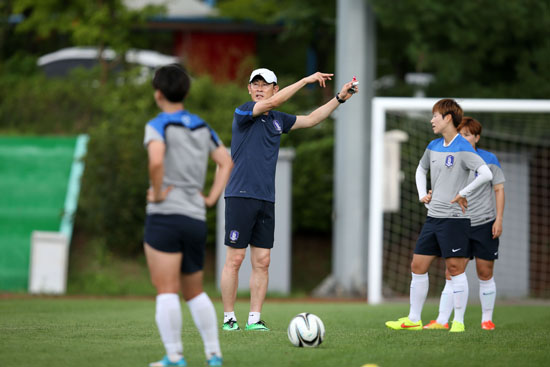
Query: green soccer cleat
x=259, y=326
x=231, y=325
x=404, y=324
x=457, y=327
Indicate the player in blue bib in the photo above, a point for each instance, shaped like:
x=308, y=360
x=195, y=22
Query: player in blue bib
x=486, y=210
x=446, y=230
x=179, y=144
x=250, y=194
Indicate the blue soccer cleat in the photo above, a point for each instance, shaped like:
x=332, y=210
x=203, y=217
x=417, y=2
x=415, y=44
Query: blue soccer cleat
x=215, y=361
x=167, y=362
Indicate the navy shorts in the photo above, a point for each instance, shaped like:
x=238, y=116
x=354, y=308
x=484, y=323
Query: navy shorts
x=444, y=237
x=482, y=243
x=249, y=221
x=178, y=233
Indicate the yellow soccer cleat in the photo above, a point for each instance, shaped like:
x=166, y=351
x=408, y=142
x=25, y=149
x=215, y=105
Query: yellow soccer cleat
x=434, y=325
x=404, y=324
x=457, y=327
x=488, y=325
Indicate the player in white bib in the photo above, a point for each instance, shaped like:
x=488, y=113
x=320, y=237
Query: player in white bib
x=486, y=211
x=446, y=230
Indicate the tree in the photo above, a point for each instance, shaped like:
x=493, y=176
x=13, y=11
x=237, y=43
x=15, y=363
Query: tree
x=101, y=23
x=474, y=48
x=309, y=21
x=479, y=48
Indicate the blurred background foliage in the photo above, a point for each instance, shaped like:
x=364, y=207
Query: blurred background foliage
x=473, y=48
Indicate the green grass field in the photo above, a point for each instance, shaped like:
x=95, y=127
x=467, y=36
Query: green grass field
x=121, y=332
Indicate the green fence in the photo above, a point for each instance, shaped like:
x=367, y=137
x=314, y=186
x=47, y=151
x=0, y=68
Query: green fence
x=36, y=173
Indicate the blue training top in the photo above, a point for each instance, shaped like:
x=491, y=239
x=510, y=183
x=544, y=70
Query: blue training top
x=254, y=149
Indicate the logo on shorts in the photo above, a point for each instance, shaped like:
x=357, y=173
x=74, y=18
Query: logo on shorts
x=449, y=160
x=456, y=249
x=234, y=236
x=277, y=126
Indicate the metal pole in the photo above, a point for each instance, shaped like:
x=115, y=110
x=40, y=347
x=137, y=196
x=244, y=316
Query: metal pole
x=354, y=57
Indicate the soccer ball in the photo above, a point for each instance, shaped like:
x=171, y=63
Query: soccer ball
x=306, y=330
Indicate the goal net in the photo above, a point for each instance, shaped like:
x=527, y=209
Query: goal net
x=518, y=132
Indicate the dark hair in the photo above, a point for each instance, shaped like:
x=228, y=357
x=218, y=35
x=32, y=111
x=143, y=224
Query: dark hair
x=173, y=82
x=471, y=124
x=449, y=107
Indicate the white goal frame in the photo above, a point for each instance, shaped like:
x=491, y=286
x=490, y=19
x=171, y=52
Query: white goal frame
x=381, y=105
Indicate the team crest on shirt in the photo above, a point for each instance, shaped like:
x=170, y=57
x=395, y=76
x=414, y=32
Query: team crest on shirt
x=186, y=120
x=233, y=236
x=277, y=126
x=449, y=160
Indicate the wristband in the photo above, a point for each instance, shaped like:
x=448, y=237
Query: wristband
x=340, y=100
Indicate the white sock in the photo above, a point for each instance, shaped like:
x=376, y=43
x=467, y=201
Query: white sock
x=204, y=315
x=253, y=317
x=419, y=291
x=445, y=303
x=460, y=296
x=228, y=316
x=487, y=295
x=168, y=318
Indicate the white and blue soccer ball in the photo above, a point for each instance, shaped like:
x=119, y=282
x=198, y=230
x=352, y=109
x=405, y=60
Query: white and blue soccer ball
x=306, y=330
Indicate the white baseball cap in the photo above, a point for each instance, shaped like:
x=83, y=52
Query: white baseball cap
x=266, y=74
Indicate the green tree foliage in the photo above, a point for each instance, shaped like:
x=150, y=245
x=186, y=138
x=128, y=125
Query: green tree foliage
x=482, y=48
x=474, y=48
x=312, y=22
x=102, y=23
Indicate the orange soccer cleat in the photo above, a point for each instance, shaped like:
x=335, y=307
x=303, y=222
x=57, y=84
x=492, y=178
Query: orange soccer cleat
x=434, y=325
x=488, y=325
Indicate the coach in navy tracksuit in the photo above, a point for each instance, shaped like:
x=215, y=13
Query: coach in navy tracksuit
x=250, y=193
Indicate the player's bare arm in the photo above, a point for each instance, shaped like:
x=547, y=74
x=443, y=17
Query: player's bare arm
x=224, y=164
x=499, y=198
x=325, y=110
x=155, y=194
x=276, y=98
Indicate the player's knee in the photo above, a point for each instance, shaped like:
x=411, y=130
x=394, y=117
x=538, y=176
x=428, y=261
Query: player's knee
x=234, y=261
x=262, y=262
x=455, y=269
x=191, y=292
x=418, y=268
x=485, y=273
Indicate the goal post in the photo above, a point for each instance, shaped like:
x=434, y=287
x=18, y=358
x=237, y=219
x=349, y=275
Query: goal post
x=418, y=111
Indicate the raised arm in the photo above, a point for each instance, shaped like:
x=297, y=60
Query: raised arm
x=224, y=164
x=325, y=110
x=284, y=94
